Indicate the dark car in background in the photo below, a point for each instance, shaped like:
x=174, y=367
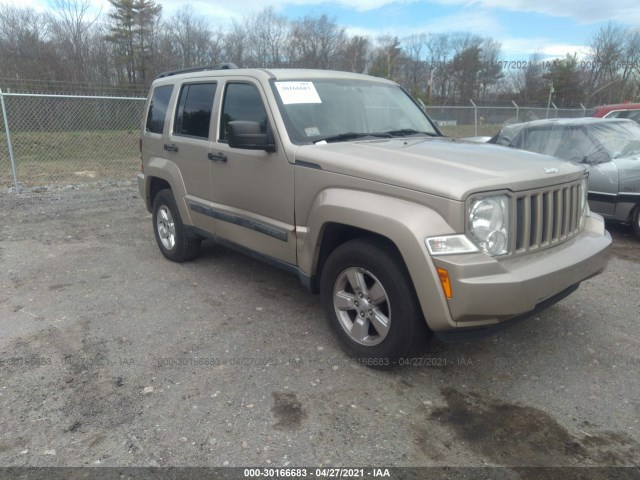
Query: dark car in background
x=608, y=148
x=619, y=110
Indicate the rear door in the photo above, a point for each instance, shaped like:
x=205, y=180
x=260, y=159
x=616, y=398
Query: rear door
x=189, y=144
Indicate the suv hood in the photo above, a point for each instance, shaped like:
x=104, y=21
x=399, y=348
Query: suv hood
x=444, y=167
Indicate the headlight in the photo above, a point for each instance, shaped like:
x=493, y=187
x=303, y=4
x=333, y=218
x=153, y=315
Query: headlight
x=584, y=204
x=450, y=245
x=489, y=224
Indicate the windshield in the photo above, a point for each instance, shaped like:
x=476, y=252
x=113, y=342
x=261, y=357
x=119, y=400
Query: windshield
x=620, y=139
x=589, y=141
x=330, y=110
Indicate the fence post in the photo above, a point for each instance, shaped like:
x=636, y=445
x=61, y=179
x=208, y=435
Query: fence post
x=475, y=117
x=9, y=143
x=517, y=111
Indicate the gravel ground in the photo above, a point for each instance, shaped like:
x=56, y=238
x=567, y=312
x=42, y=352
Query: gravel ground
x=111, y=355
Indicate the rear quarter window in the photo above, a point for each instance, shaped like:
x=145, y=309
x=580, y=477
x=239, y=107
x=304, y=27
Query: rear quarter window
x=158, y=106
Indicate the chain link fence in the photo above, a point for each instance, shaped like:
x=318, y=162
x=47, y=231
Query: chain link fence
x=64, y=139
x=486, y=121
x=67, y=139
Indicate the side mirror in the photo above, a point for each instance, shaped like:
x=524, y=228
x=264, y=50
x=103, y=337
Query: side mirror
x=247, y=135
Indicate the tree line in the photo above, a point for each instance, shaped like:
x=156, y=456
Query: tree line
x=125, y=48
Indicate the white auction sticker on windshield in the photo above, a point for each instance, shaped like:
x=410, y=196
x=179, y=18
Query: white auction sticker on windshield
x=298, y=92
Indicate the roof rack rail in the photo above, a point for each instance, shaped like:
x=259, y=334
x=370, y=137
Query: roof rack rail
x=221, y=66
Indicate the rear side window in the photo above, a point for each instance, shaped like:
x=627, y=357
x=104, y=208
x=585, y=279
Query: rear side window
x=193, y=115
x=242, y=101
x=158, y=109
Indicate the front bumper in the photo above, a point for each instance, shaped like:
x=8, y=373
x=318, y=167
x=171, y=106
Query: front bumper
x=465, y=334
x=488, y=291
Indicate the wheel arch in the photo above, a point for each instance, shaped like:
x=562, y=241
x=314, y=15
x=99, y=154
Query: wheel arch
x=338, y=216
x=335, y=234
x=157, y=184
x=161, y=174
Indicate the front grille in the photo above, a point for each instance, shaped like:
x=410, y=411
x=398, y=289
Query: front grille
x=545, y=217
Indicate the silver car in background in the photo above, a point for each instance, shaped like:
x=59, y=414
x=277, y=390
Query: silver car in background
x=609, y=148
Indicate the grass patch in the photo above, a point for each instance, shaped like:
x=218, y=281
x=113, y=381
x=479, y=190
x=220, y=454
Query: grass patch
x=82, y=156
x=71, y=157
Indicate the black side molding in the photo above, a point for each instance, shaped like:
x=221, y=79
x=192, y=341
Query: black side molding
x=274, y=232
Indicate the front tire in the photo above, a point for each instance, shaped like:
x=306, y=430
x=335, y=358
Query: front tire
x=370, y=302
x=636, y=221
x=172, y=237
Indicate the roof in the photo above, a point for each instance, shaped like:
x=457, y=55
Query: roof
x=604, y=109
x=562, y=122
x=266, y=74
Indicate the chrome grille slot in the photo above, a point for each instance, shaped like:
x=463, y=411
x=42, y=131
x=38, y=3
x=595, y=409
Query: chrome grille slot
x=546, y=217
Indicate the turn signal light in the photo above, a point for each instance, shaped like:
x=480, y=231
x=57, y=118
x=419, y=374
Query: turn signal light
x=445, y=282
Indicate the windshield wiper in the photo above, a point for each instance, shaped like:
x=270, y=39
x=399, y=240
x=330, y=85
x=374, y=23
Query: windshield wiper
x=351, y=136
x=408, y=131
x=393, y=133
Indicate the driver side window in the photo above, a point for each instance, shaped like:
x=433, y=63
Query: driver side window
x=242, y=101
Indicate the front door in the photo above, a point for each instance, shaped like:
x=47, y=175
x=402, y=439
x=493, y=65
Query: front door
x=252, y=190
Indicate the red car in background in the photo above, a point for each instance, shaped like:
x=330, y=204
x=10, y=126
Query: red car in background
x=619, y=110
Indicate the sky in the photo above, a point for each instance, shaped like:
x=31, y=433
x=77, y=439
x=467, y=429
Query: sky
x=523, y=27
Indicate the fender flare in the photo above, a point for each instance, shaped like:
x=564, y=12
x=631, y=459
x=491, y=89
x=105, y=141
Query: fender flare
x=406, y=224
x=168, y=171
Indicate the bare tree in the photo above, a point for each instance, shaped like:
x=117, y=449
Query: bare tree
x=131, y=43
x=607, y=51
x=70, y=26
x=439, y=55
x=386, y=62
x=416, y=76
x=268, y=35
x=564, y=76
x=528, y=84
x=23, y=42
x=235, y=44
x=98, y=50
x=490, y=72
x=354, y=54
x=630, y=67
x=189, y=39
x=316, y=42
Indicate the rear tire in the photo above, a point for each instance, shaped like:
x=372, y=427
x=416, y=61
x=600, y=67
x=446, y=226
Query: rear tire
x=636, y=221
x=371, y=304
x=172, y=237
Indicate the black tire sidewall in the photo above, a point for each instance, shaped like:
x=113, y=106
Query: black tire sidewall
x=180, y=251
x=408, y=331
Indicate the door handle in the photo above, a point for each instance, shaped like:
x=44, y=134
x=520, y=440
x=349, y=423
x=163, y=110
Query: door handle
x=218, y=157
x=170, y=147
